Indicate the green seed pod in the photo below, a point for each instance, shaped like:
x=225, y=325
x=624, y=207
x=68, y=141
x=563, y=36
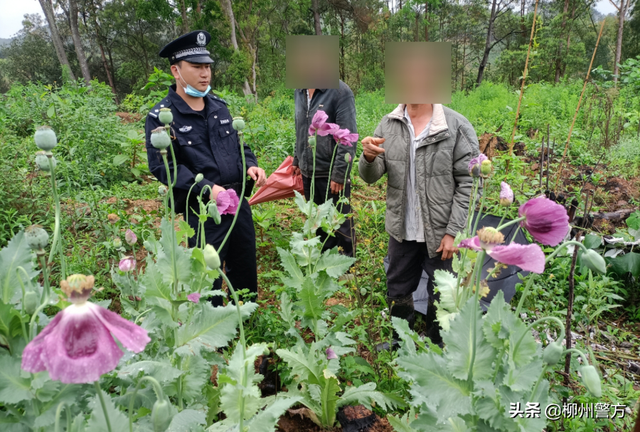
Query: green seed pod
x=160, y=138
x=238, y=123
x=117, y=242
x=162, y=190
x=161, y=415
x=552, y=353
x=211, y=257
x=199, y=178
x=30, y=302
x=165, y=116
x=42, y=161
x=214, y=213
x=485, y=168
x=347, y=158
x=594, y=261
x=591, y=380
x=312, y=141
x=37, y=237
x=45, y=138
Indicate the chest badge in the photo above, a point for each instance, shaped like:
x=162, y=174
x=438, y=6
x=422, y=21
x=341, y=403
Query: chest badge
x=185, y=129
x=224, y=121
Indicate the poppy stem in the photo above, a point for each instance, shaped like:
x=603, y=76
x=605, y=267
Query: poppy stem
x=241, y=197
x=511, y=222
x=104, y=405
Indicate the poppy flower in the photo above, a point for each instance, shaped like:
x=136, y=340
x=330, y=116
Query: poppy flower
x=546, y=221
x=475, y=164
x=319, y=124
x=227, y=202
x=527, y=257
x=506, y=194
x=127, y=264
x=331, y=354
x=130, y=237
x=345, y=137
x=194, y=297
x=77, y=346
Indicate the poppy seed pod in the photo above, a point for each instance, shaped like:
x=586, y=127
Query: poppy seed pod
x=591, y=380
x=347, y=158
x=594, y=261
x=42, y=161
x=490, y=237
x=485, y=168
x=117, y=242
x=238, y=123
x=45, y=138
x=211, y=257
x=552, y=353
x=199, y=178
x=160, y=138
x=312, y=141
x=37, y=237
x=30, y=302
x=165, y=115
x=162, y=190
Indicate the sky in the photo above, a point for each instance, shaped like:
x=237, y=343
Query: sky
x=14, y=10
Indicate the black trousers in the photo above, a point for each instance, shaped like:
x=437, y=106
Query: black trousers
x=407, y=259
x=238, y=255
x=345, y=236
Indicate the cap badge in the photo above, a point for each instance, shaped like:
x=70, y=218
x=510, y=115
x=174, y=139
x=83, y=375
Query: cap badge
x=201, y=39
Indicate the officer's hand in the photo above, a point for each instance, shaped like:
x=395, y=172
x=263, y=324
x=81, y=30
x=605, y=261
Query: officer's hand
x=370, y=146
x=336, y=187
x=215, y=190
x=258, y=175
x=296, y=171
x=447, y=247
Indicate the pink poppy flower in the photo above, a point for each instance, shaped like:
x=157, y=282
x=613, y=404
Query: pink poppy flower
x=130, y=237
x=127, y=264
x=194, y=297
x=227, y=202
x=527, y=257
x=506, y=195
x=546, y=221
x=319, y=124
x=331, y=354
x=77, y=346
x=475, y=163
x=345, y=137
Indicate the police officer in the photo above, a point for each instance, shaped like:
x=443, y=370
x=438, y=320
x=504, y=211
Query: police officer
x=204, y=142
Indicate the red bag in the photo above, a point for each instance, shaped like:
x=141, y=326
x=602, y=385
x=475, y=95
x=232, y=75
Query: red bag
x=281, y=184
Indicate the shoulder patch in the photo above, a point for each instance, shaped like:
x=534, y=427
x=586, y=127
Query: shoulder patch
x=220, y=99
x=152, y=114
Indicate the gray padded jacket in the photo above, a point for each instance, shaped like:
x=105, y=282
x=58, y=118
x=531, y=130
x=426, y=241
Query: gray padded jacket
x=442, y=173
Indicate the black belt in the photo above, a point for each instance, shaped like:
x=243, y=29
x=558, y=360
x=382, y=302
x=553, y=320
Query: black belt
x=238, y=187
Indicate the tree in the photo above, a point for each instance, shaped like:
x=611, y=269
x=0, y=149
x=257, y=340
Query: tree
x=47, y=8
x=77, y=40
x=498, y=8
x=228, y=10
x=622, y=11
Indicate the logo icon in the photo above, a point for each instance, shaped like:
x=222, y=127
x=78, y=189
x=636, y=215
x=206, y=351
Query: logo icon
x=185, y=129
x=201, y=39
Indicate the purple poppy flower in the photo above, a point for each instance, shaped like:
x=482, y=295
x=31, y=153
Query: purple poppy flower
x=319, y=124
x=130, y=237
x=194, y=297
x=475, y=163
x=546, y=221
x=506, y=195
x=77, y=346
x=527, y=257
x=345, y=137
x=227, y=202
x=127, y=264
x=331, y=354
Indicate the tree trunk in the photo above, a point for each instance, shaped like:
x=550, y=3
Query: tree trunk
x=228, y=10
x=47, y=8
x=77, y=41
x=487, y=44
x=426, y=21
x=185, y=19
x=621, y=13
x=560, y=44
x=316, y=16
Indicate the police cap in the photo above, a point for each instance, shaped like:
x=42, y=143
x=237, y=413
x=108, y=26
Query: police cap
x=190, y=47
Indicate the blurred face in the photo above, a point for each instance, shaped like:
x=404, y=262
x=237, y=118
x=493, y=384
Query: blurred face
x=312, y=62
x=418, y=72
x=196, y=75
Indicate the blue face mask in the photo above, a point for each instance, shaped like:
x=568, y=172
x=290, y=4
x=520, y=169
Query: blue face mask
x=192, y=91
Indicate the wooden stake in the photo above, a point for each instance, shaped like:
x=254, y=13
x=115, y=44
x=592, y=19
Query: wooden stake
x=575, y=115
x=524, y=77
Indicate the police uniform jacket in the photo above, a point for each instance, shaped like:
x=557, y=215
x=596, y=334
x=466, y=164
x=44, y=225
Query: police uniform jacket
x=204, y=142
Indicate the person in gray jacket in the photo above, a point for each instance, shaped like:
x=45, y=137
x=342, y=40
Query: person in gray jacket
x=339, y=105
x=425, y=150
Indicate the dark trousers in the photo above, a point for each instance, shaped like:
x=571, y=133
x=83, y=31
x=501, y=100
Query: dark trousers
x=345, y=236
x=406, y=262
x=238, y=255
